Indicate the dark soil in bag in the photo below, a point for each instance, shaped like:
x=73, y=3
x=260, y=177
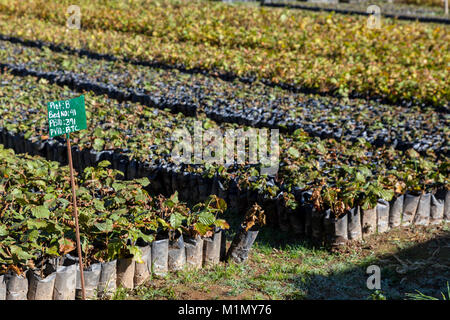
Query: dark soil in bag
x=422, y=217
x=125, y=272
x=241, y=245
x=142, y=271
x=2, y=287
x=447, y=207
x=16, y=286
x=382, y=215
x=436, y=208
x=177, y=254
x=395, y=212
x=354, y=224
x=369, y=221
x=40, y=288
x=91, y=279
x=108, y=277
x=65, y=283
x=160, y=257
x=409, y=208
x=194, y=252
x=211, y=249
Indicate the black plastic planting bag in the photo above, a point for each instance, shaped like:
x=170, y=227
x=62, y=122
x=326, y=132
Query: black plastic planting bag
x=40, y=288
x=9, y=140
x=223, y=245
x=382, y=215
x=177, y=254
x=16, y=286
x=308, y=217
x=211, y=249
x=60, y=153
x=175, y=184
x=2, y=288
x=369, y=221
x=18, y=141
x=395, y=212
x=194, y=252
x=183, y=186
x=29, y=147
x=422, y=216
x=252, y=197
x=91, y=280
x=242, y=203
x=108, y=277
x=436, y=209
x=354, y=224
x=447, y=207
x=334, y=228
x=143, y=270
x=204, y=187
x=193, y=187
x=241, y=245
x=65, y=283
x=317, y=226
x=125, y=272
x=167, y=179
x=296, y=220
x=160, y=257
x=409, y=208
x=283, y=220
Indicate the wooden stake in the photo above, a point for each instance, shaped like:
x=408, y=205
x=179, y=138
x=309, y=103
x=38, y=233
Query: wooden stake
x=75, y=213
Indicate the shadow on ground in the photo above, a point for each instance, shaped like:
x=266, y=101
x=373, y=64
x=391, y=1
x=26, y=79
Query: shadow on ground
x=410, y=259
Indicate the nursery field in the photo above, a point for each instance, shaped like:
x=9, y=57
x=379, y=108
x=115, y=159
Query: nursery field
x=355, y=169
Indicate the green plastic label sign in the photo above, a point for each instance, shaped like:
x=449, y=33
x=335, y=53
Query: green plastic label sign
x=66, y=116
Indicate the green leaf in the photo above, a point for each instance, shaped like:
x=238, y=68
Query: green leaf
x=40, y=212
x=3, y=230
x=106, y=226
x=176, y=220
x=98, y=144
x=104, y=164
x=207, y=218
x=143, y=181
x=99, y=205
x=294, y=152
x=118, y=186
